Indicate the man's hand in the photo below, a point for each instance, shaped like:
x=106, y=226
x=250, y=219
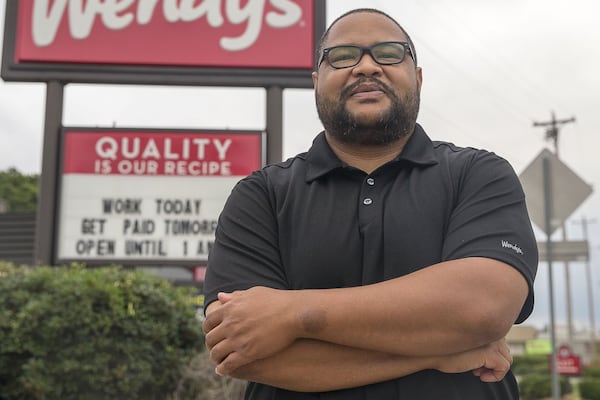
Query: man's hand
x=490, y=362
x=249, y=325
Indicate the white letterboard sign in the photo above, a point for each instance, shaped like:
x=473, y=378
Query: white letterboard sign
x=148, y=196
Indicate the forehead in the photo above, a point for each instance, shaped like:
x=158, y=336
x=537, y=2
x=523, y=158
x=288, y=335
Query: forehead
x=364, y=28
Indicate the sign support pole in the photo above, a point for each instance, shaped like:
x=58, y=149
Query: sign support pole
x=274, y=124
x=46, y=208
x=548, y=219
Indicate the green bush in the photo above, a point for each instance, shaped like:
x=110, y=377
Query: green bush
x=589, y=388
x=6, y=268
x=103, y=333
x=199, y=382
x=537, y=386
x=591, y=371
x=531, y=364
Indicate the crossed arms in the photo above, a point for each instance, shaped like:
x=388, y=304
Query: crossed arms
x=450, y=316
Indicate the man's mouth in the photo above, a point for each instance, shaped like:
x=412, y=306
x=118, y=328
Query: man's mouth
x=367, y=88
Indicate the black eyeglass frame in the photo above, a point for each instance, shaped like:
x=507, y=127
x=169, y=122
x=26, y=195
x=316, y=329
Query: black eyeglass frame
x=363, y=50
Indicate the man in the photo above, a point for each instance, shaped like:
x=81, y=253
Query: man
x=379, y=264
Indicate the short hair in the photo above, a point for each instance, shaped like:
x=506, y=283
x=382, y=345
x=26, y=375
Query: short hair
x=325, y=36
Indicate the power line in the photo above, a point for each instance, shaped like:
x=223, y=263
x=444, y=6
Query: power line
x=459, y=129
x=530, y=88
x=491, y=94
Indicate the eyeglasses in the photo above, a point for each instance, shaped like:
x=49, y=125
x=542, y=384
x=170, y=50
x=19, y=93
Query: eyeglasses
x=385, y=53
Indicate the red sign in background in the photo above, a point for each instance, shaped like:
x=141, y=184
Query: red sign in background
x=567, y=363
x=252, y=33
x=189, y=153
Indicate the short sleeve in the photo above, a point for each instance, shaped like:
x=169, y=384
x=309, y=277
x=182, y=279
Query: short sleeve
x=245, y=252
x=490, y=219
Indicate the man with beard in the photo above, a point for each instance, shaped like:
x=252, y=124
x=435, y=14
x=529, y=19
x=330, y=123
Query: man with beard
x=379, y=264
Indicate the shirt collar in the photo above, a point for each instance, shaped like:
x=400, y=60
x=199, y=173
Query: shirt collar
x=322, y=160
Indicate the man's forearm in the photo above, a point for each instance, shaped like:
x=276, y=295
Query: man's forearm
x=314, y=366
x=442, y=309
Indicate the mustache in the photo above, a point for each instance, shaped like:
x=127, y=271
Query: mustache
x=347, y=91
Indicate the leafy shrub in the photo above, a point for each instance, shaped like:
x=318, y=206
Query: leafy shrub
x=592, y=371
x=531, y=364
x=199, y=382
x=589, y=388
x=537, y=386
x=104, y=333
x=6, y=268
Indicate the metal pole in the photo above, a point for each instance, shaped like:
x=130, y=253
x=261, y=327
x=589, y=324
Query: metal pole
x=46, y=208
x=548, y=222
x=568, y=296
x=588, y=270
x=274, y=124
x=552, y=133
x=563, y=227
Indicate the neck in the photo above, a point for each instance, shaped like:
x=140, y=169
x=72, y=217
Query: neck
x=366, y=158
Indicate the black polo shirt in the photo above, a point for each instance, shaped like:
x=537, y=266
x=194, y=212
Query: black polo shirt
x=314, y=222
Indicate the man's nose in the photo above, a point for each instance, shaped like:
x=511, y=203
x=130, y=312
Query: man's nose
x=367, y=66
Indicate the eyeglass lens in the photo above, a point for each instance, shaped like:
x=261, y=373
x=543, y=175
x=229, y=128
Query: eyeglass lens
x=383, y=53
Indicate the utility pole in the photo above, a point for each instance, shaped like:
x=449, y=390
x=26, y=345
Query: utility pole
x=552, y=131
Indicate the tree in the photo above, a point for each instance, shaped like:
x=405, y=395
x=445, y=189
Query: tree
x=19, y=190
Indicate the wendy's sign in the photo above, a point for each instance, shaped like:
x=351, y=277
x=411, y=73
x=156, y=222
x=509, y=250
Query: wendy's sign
x=203, y=42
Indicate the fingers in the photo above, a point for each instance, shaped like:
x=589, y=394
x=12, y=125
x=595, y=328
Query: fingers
x=235, y=334
x=496, y=363
x=220, y=348
x=213, y=317
x=211, y=321
x=226, y=359
x=224, y=297
x=232, y=362
x=505, y=351
x=219, y=353
x=222, y=353
x=213, y=337
x=491, y=376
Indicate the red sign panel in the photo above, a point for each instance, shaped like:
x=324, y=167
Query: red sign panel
x=215, y=33
x=570, y=366
x=161, y=153
x=567, y=363
x=256, y=43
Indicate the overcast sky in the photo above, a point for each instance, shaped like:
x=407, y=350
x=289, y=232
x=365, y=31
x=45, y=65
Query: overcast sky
x=491, y=69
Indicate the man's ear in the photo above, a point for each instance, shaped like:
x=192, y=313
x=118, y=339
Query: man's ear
x=315, y=79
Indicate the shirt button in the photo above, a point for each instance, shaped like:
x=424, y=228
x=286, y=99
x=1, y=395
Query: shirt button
x=370, y=181
x=368, y=201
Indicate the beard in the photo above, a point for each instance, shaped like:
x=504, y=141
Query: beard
x=396, y=122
